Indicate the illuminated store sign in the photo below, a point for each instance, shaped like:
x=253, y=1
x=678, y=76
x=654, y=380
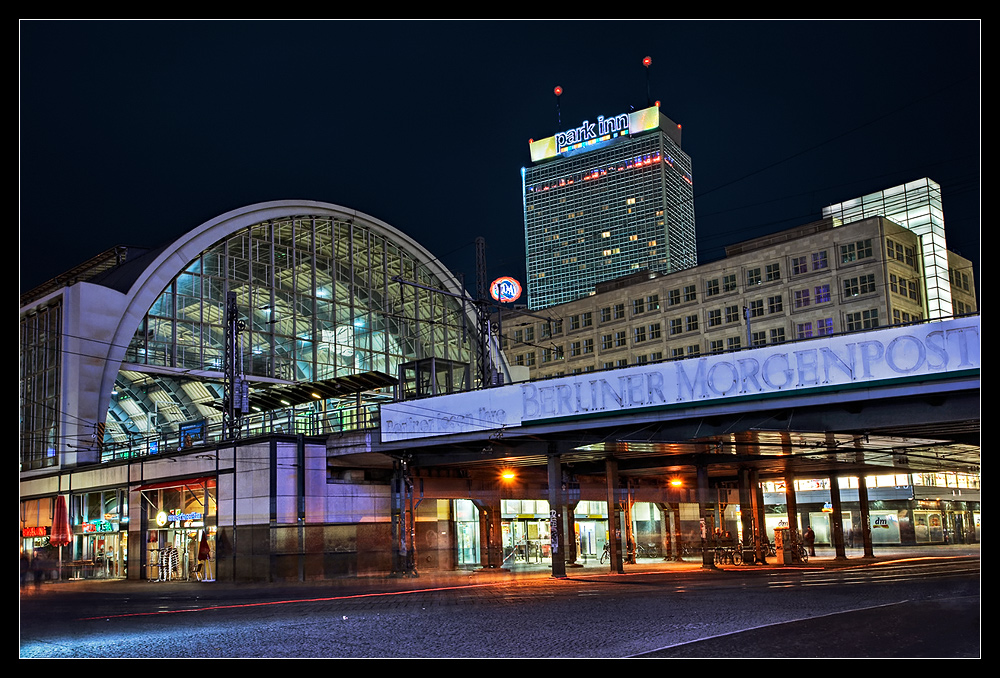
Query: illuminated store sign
x=35, y=532
x=591, y=134
x=942, y=348
x=175, y=516
x=505, y=289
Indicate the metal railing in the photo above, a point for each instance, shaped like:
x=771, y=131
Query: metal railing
x=275, y=422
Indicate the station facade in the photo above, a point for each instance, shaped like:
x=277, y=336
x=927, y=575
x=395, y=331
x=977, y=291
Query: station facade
x=341, y=318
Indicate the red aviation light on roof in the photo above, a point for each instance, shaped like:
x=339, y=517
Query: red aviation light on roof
x=558, y=91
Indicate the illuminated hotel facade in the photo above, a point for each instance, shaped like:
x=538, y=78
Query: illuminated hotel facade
x=604, y=200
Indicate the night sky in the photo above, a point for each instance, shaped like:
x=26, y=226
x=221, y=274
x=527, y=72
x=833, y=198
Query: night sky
x=132, y=133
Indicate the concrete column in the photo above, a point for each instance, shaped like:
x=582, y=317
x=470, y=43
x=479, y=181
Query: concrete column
x=557, y=534
x=572, y=547
x=791, y=510
x=614, y=516
x=707, y=554
x=751, y=552
x=490, y=535
x=837, y=520
x=866, y=521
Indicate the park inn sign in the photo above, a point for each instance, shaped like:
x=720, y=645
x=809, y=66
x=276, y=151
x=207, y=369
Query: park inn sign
x=945, y=348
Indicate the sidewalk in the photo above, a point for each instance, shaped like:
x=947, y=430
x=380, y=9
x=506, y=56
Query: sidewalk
x=825, y=558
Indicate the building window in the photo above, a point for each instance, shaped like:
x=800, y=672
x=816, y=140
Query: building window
x=552, y=354
x=606, y=314
x=821, y=294
x=574, y=322
x=716, y=346
x=862, y=320
x=641, y=359
x=692, y=323
x=619, y=311
x=774, y=304
x=673, y=297
x=654, y=331
x=656, y=356
x=714, y=318
x=677, y=353
x=639, y=335
x=824, y=326
x=712, y=288
x=757, y=308
x=753, y=276
x=676, y=327
x=799, y=265
x=529, y=358
x=860, y=285
x=694, y=349
x=638, y=306
x=758, y=339
x=803, y=330
x=653, y=302
x=588, y=346
x=801, y=298
x=733, y=343
x=778, y=335
x=772, y=272
x=690, y=293
x=732, y=314
x=620, y=339
x=894, y=250
x=854, y=251
x=575, y=348
x=729, y=283
x=819, y=262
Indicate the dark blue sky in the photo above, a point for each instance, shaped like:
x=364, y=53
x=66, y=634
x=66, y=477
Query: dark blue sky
x=135, y=132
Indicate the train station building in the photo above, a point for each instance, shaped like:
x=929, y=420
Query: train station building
x=293, y=390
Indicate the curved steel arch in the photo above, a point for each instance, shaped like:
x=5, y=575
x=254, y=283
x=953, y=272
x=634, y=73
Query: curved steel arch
x=173, y=259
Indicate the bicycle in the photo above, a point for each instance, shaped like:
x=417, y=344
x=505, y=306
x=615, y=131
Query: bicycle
x=729, y=555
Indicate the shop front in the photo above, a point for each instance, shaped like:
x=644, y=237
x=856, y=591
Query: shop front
x=179, y=529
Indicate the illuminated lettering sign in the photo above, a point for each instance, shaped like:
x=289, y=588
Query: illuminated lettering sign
x=182, y=517
x=947, y=348
x=34, y=532
x=592, y=134
x=505, y=289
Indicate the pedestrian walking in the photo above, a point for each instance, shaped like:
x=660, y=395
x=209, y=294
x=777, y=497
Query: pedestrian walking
x=810, y=539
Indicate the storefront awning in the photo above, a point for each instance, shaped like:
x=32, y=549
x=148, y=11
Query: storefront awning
x=167, y=484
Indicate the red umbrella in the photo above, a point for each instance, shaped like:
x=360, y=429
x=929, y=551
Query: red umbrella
x=61, y=534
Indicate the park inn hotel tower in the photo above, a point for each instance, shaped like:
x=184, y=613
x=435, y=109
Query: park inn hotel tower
x=603, y=200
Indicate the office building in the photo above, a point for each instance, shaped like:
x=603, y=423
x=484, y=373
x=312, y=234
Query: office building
x=822, y=278
x=604, y=200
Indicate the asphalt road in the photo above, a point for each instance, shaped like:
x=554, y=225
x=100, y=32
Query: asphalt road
x=913, y=608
